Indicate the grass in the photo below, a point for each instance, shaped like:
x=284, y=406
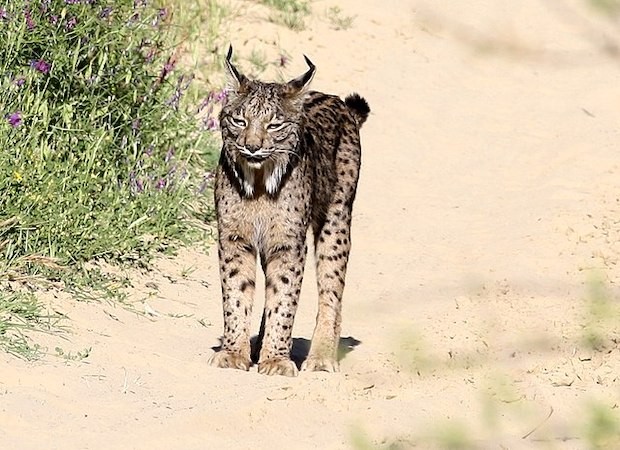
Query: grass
x=71, y=356
x=290, y=13
x=21, y=314
x=337, y=20
x=607, y=7
x=104, y=154
x=197, y=30
x=600, y=325
x=601, y=427
x=258, y=60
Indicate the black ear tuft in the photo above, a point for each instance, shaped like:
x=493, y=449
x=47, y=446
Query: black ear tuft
x=298, y=84
x=229, y=54
x=237, y=79
x=310, y=64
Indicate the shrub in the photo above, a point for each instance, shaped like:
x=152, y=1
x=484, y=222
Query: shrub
x=100, y=155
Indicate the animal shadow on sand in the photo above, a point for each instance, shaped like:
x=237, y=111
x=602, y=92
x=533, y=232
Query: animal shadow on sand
x=301, y=347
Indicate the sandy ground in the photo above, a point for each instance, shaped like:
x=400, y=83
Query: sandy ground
x=487, y=210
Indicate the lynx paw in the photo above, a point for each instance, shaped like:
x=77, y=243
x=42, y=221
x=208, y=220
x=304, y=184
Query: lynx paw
x=229, y=360
x=278, y=366
x=318, y=364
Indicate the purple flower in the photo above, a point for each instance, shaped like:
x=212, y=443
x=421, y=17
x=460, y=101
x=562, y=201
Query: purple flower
x=54, y=19
x=174, y=101
x=3, y=14
x=150, y=54
x=71, y=23
x=161, y=183
x=19, y=82
x=135, y=183
x=183, y=84
x=221, y=96
x=135, y=124
x=41, y=65
x=170, y=63
x=29, y=22
x=106, y=12
x=206, y=102
x=162, y=13
x=14, y=119
x=210, y=123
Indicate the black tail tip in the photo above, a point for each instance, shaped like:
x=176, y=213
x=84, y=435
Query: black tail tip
x=358, y=106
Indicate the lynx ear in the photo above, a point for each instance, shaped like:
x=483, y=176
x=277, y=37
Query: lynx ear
x=236, y=79
x=298, y=84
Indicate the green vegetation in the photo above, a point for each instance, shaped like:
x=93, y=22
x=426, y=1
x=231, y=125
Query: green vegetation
x=70, y=356
x=338, y=20
x=103, y=156
x=20, y=311
x=600, y=329
x=602, y=427
x=609, y=7
x=196, y=30
x=291, y=13
x=258, y=60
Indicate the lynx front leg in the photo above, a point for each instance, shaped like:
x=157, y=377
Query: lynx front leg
x=284, y=265
x=237, y=272
x=332, y=247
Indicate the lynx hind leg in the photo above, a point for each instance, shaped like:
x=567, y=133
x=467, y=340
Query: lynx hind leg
x=332, y=253
x=237, y=273
x=332, y=238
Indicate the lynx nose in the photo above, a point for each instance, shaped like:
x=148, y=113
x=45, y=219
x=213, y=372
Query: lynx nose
x=252, y=148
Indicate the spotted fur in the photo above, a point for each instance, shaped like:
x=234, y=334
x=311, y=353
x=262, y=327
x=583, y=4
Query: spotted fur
x=290, y=161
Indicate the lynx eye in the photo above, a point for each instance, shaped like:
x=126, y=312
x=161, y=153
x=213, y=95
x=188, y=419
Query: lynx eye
x=275, y=126
x=237, y=121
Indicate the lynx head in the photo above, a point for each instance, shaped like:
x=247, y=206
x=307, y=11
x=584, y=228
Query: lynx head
x=262, y=127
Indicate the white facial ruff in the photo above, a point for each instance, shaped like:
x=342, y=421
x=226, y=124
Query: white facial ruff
x=248, y=179
x=272, y=176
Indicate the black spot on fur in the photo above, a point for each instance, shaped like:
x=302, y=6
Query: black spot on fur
x=245, y=285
